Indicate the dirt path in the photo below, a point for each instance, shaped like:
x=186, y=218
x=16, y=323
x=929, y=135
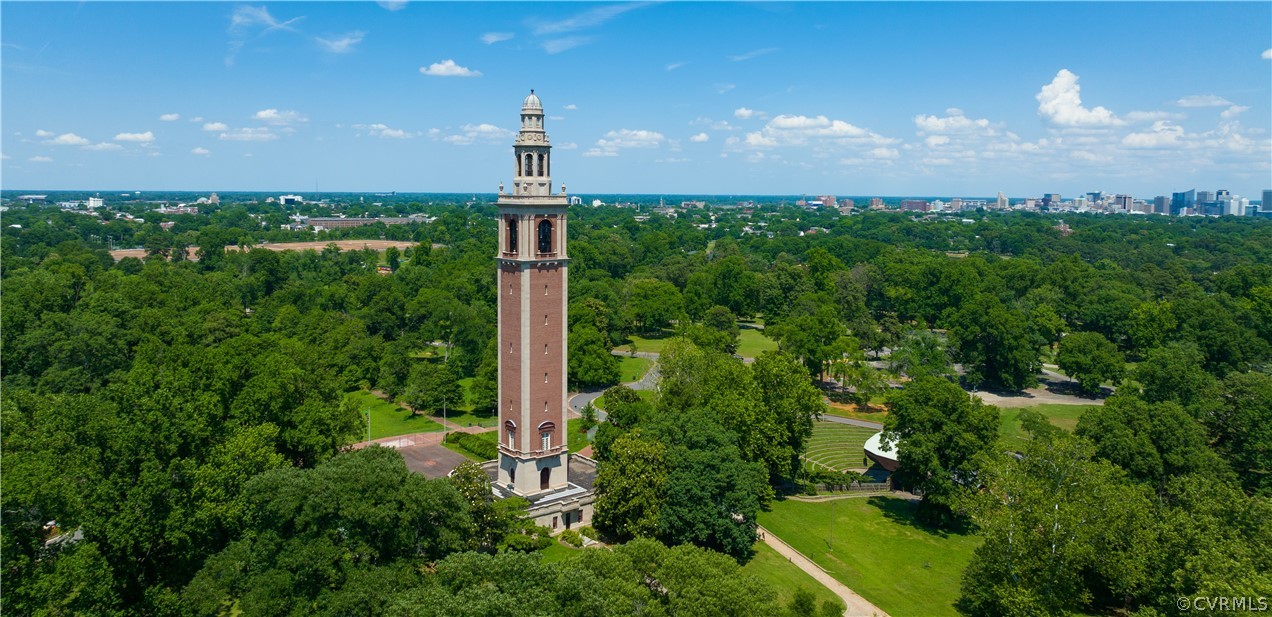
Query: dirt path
x=857, y=605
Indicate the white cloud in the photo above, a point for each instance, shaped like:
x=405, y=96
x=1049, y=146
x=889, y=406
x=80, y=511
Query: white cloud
x=170, y=117
x=1061, y=103
x=65, y=139
x=248, y=17
x=885, y=153
x=715, y=125
x=1151, y=116
x=490, y=38
x=591, y=152
x=1162, y=134
x=628, y=138
x=1267, y=54
x=448, y=68
x=699, y=138
x=569, y=145
x=250, y=22
x=43, y=133
x=1233, y=111
x=722, y=88
x=1203, y=100
x=382, y=130
x=342, y=45
x=249, y=134
x=216, y=126
x=675, y=65
x=279, y=118
x=571, y=107
x=201, y=151
x=470, y=133
x=671, y=160
x=937, y=140
x=757, y=139
x=743, y=113
x=137, y=137
x=40, y=159
x=392, y=5
x=103, y=147
x=197, y=119
x=755, y=53
x=556, y=46
x=587, y=19
x=953, y=122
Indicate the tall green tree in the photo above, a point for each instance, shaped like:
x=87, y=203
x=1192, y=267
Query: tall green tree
x=995, y=343
x=1091, y=359
x=942, y=436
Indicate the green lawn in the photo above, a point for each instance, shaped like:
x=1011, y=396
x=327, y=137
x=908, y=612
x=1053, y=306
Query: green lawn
x=785, y=577
x=462, y=414
x=578, y=439
x=752, y=342
x=387, y=419
x=650, y=342
x=1063, y=416
x=878, y=550
x=558, y=551
x=837, y=446
x=632, y=369
x=848, y=410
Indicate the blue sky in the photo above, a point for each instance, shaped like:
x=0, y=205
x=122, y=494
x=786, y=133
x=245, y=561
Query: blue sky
x=845, y=98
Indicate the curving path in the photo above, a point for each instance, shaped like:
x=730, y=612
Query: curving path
x=857, y=605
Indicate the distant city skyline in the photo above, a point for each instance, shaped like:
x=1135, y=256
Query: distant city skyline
x=944, y=99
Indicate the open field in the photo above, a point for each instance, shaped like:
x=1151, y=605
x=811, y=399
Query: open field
x=877, y=549
x=345, y=245
x=557, y=551
x=785, y=576
x=1063, y=416
x=649, y=342
x=387, y=419
x=837, y=447
x=752, y=342
x=632, y=369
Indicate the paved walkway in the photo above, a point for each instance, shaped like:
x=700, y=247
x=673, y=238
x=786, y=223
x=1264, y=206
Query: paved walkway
x=857, y=605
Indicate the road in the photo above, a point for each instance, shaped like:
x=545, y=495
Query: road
x=857, y=606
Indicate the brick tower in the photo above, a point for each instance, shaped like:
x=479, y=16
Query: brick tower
x=532, y=265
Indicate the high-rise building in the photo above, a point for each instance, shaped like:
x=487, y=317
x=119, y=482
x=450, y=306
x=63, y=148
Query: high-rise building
x=1003, y=202
x=1050, y=200
x=1123, y=202
x=1222, y=195
x=532, y=263
x=1266, y=204
x=1161, y=204
x=1181, y=201
x=1205, y=196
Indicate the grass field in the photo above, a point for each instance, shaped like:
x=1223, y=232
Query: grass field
x=837, y=446
x=878, y=550
x=786, y=577
x=558, y=551
x=632, y=369
x=387, y=419
x=752, y=342
x=1063, y=416
x=462, y=414
x=653, y=343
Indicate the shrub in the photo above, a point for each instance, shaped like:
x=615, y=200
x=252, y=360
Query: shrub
x=478, y=447
x=587, y=532
x=571, y=537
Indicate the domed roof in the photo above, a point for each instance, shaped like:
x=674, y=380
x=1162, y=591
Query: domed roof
x=532, y=102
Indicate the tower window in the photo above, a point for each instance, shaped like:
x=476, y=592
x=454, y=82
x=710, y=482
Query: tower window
x=545, y=348
x=545, y=378
x=545, y=236
x=526, y=170
x=545, y=440
x=512, y=236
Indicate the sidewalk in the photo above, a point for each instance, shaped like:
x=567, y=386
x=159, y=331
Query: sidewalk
x=857, y=605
